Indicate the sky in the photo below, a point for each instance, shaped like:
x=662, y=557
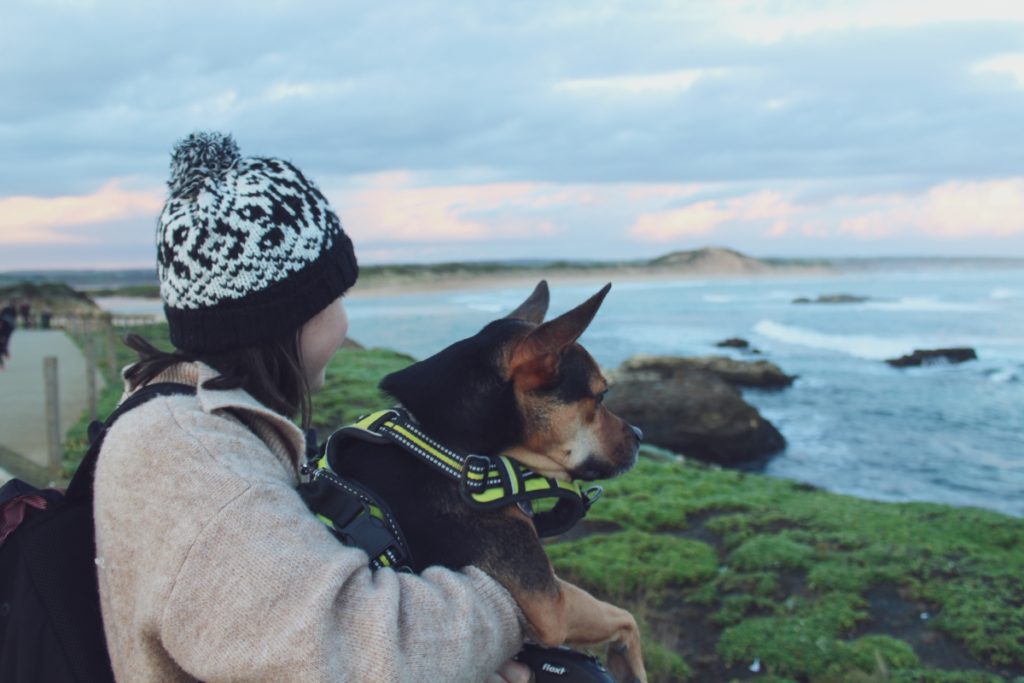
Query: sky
x=479, y=130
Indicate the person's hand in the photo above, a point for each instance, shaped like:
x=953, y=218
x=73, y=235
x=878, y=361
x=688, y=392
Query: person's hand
x=510, y=672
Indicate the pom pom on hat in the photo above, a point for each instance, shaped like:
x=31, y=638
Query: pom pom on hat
x=198, y=158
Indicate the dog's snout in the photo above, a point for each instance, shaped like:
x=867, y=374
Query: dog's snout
x=637, y=432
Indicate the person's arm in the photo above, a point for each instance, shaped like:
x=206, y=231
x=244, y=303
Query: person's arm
x=266, y=593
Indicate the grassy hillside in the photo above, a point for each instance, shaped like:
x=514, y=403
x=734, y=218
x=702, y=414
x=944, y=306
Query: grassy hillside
x=738, y=576
x=730, y=571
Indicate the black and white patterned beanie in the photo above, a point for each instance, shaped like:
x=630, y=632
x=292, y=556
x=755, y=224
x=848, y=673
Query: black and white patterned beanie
x=248, y=249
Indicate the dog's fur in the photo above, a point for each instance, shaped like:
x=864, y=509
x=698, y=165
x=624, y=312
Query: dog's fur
x=525, y=389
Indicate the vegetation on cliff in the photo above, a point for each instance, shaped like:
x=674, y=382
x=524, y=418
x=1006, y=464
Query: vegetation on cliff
x=53, y=297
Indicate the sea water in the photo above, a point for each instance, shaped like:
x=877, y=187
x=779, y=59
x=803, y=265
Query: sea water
x=945, y=433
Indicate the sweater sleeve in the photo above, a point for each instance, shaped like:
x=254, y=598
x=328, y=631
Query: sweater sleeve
x=211, y=567
x=266, y=593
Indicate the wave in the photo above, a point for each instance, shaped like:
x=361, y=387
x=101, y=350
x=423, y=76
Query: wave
x=1002, y=293
x=861, y=346
x=1005, y=375
x=923, y=304
x=719, y=298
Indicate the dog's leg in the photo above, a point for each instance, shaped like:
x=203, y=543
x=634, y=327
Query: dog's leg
x=589, y=620
x=571, y=615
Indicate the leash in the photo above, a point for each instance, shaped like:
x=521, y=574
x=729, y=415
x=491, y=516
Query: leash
x=485, y=481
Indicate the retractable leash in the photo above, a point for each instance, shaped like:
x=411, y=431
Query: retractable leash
x=358, y=517
x=562, y=665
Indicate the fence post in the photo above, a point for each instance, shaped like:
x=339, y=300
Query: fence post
x=111, y=346
x=90, y=374
x=53, y=435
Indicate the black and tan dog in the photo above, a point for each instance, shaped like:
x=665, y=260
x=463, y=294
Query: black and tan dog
x=527, y=390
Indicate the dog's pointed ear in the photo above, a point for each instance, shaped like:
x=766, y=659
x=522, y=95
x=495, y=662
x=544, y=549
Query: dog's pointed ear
x=534, y=361
x=536, y=305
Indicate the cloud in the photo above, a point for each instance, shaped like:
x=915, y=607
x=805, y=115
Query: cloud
x=770, y=21
x=34, y=220
x=955, y=210
x=668, y=92
x=1011, y=65
x=668, y=82
x=393, y=206
x=705, y=217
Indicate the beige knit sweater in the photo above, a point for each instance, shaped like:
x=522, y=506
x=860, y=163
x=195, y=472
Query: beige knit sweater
x=211, y=567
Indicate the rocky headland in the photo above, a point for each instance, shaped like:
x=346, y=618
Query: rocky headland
x=692, y=406
x=931, y=356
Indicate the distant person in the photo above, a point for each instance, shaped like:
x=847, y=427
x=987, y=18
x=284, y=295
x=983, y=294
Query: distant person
x=25, y=310
x=213, y=568
x=8, y=323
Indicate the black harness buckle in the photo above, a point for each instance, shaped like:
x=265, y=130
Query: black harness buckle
x=367, y=532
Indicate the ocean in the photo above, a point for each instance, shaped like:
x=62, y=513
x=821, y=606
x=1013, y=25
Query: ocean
x=943, y=433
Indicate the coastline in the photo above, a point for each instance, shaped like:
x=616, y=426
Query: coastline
x=380, y=286
x=399, y=285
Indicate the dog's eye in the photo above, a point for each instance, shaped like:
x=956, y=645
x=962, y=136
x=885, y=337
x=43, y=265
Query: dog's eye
x=599, y=398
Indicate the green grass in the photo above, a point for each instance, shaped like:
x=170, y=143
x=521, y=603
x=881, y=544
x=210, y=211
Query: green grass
x=76, y=441
x=797, y=567
x=350, y=389
x=724, y=569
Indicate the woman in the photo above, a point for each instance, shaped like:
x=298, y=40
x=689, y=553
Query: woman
x=210, y=566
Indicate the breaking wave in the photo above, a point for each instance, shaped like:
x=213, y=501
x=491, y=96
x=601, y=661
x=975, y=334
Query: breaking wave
x=861, y=346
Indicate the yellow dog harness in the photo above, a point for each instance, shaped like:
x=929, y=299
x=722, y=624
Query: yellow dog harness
x=357, y=516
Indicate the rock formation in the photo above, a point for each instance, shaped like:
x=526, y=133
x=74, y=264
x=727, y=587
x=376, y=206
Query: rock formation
x=930, y=356
x=691, y=410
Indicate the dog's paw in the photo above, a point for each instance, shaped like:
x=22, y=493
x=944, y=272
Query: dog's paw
x=626, y=662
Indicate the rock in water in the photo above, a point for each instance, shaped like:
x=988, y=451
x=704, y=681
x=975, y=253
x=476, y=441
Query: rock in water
x=740, y=373
x=929, y=356
x=691, y=411
x=733, y=343
x=833, y=299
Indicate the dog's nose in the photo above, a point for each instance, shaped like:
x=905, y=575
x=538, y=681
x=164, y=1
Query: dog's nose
x=637, y=432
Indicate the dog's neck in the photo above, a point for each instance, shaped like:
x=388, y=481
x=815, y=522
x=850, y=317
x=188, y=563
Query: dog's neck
x=538, y=462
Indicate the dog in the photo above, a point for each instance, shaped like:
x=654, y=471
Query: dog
x=525, y=389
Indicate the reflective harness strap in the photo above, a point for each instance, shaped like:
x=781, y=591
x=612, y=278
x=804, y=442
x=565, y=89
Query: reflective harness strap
x=355, y=516
x=486, y=482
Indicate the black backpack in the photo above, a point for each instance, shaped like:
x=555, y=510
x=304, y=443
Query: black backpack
x=50, y=624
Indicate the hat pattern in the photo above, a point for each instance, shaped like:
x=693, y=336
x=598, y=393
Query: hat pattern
x=241, y=233
x=248, y=249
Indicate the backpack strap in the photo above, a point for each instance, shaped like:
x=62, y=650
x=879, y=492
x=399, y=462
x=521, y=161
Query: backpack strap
x=80, y=487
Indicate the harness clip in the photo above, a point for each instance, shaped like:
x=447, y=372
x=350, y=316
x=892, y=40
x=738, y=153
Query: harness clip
x=475, y=471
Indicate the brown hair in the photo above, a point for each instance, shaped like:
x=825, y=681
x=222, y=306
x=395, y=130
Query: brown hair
x=270, y=372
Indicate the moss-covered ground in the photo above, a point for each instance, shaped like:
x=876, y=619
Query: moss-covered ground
x=738, y=576
x=745, y=576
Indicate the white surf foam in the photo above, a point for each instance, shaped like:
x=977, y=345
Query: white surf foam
x=1004, y=375
x=861, y=346
x=1002, y=293
x=922, y=304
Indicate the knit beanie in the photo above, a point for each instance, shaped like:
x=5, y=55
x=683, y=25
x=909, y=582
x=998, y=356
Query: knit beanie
x=248, y=249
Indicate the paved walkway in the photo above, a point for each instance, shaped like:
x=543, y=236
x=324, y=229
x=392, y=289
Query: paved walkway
x=22, y=391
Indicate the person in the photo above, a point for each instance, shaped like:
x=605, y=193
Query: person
x=8, y=323
x=25, y=311
x=210, y=566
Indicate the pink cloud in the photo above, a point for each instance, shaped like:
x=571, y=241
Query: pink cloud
x=952, y=210
x=38, y=220
x=703, y=218
x=392, y=206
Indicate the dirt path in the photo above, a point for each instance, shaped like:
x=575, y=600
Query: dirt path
x=22, y=392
